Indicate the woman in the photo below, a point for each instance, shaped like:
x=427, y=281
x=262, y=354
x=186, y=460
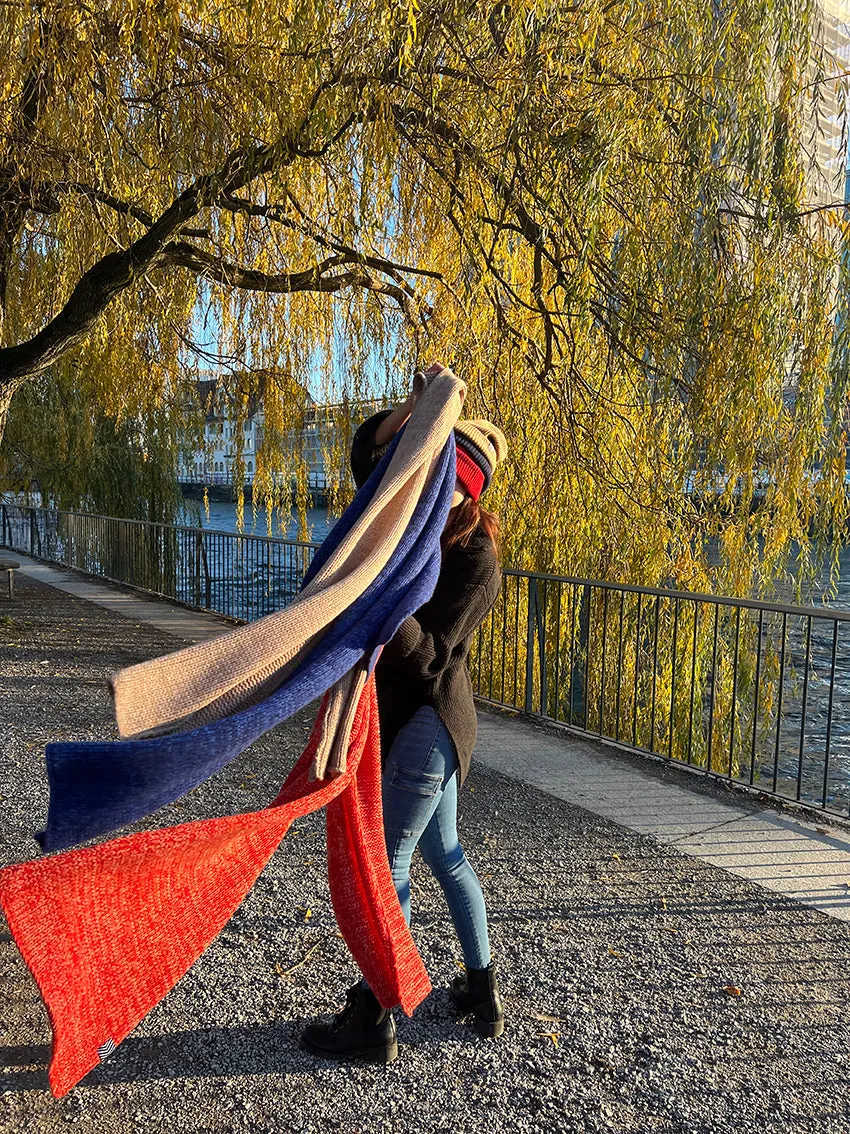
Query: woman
x=428, y=729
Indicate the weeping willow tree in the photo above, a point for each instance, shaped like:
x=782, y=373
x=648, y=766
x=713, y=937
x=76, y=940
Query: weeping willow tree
x=598, y=212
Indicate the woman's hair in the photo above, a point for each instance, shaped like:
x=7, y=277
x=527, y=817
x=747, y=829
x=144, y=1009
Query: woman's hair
x=464, y=520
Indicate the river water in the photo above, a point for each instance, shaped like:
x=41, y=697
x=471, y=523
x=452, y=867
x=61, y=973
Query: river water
x=222, y=517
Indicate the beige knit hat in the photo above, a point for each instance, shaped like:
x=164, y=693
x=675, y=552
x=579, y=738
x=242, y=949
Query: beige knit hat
x=481, y=446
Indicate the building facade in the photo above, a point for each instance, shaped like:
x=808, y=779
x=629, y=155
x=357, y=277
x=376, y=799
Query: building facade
x=213, y=464
x=829, y=122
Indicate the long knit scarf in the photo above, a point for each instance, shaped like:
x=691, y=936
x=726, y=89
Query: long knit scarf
x=108, y=930
x=100, y=786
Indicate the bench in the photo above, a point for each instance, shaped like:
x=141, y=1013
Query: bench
x=10, y=566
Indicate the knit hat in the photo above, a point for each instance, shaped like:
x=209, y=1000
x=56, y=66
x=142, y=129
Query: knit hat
x=480, y=447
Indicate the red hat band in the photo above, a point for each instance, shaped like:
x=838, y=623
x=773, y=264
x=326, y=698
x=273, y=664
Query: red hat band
x=469, y=474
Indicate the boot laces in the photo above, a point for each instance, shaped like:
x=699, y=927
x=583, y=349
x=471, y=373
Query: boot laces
x=342, y=1018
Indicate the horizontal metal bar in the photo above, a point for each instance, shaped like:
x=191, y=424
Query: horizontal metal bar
x=172, y=527
x=691, y=596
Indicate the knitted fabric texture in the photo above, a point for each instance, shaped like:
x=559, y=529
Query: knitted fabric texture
x=108, y=930
x=470, y=474
x=481, y=446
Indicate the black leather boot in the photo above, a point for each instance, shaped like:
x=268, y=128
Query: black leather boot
x=474, y=993
x=362, y=1030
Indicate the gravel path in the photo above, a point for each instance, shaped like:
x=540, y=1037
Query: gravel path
x=619, y=961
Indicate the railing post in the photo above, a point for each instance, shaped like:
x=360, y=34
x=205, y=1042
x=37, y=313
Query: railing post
x=124, y=554
x=207, y=579
x=197, y=571
x=541, y=653
x=579, y=667
x=530, y=637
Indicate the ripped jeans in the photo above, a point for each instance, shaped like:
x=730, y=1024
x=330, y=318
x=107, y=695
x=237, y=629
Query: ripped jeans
x=419, y=794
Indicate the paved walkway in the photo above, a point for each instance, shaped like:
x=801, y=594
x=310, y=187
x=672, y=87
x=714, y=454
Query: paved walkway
x=174, y=619
x=789, y=855
x=647, y=992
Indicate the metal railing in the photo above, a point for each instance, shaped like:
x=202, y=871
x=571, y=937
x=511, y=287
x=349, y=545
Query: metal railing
x=241, y=576
x=753, y=693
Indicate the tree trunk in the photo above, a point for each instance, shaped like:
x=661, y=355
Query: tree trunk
x=7, y=392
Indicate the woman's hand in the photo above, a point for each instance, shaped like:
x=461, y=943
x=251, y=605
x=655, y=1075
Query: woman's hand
x=421, y=379
x=394, y=421
x=433, y=371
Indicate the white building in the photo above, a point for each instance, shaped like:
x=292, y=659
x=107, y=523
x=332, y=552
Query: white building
x=828, y=176
x=214, y=462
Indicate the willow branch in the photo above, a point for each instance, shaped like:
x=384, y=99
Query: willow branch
x=117, y=271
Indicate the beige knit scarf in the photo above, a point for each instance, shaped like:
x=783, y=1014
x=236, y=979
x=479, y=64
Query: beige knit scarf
x=214, y=679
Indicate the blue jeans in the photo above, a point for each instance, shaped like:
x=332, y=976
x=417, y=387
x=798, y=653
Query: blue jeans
x=419, y=794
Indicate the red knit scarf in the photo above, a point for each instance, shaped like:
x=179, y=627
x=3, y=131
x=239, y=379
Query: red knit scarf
x=108, y=930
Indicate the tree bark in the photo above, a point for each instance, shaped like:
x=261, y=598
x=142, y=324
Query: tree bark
x=7, y=392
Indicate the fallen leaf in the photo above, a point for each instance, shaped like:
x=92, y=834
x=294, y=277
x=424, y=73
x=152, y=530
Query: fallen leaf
x=664, y=903
x=553, y=1036
x=613, y=952
x=615, y=855
x=731, y=990
x=546, y=1019
x=669, y=929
